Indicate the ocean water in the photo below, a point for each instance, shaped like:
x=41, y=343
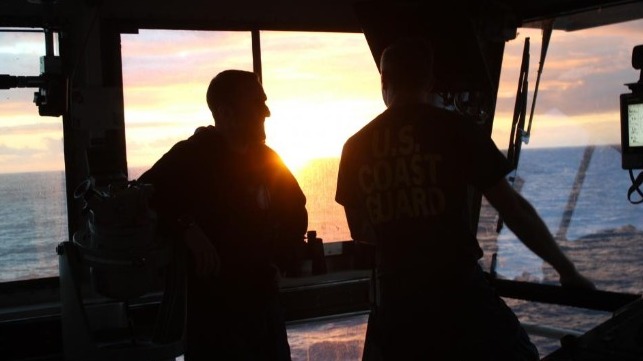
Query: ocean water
x=33, y=221
x=603, y=237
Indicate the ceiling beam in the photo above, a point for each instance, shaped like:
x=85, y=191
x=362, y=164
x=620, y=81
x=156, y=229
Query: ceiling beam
x=288, y=15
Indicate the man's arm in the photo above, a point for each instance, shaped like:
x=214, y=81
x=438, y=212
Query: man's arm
x=289, y=207
x=205, y=255
x=521, y=217
x=172, y=201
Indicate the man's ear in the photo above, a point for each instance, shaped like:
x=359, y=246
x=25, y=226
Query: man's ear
x=222, y=113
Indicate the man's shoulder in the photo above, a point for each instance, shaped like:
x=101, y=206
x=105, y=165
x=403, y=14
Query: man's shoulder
x=184, y=152
x=265, y=148
x=397, y=116
x=429, y=118
x=203, y=137
x=271, y=156
x=204, y=134
x=369, y=127
x=416, y=112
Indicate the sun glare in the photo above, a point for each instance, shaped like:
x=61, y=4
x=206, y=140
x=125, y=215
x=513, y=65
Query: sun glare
x=302, y=131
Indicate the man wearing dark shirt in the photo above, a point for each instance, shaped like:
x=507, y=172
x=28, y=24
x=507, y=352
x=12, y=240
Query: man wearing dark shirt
x=241, y=214
x=403, y=181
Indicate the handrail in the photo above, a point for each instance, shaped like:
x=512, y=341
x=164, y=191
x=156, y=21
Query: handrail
x=553, y=294
x=549, y=331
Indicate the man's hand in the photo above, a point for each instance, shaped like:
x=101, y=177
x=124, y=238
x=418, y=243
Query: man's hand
x=205, y=255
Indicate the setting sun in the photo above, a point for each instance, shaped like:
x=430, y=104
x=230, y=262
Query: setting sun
x=301, y=131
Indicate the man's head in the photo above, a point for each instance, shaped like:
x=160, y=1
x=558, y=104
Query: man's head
x=238, y=104
x=406, y=68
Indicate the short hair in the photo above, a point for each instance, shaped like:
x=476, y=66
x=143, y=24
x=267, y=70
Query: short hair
x=228, y=85
x=408, y=63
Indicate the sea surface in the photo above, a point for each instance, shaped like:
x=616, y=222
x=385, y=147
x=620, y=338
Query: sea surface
x=588, y=210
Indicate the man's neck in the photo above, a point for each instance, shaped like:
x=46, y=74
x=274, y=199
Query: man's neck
x=401, y=98
x=233, y=143
x=241, y=146
x=238, y=145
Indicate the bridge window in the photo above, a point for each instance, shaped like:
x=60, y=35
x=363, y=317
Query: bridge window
x=321, y=88
x=570, y=169
x=33, y=215
x=165, y=86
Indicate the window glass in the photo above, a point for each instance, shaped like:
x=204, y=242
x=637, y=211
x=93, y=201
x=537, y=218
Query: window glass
x=322, y=88
x=165, y=78
x=570, y=168
x=33, y=216
x=314, y=105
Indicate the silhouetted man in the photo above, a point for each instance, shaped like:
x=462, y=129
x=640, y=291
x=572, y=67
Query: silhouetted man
x=231, y=200
x=403, y=182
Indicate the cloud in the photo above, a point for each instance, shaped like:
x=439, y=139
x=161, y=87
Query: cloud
x=187, y=55
x=166, y=74
x=31, y=129
x=584, y=72
x=151, y=125
x=320, y=67
x=48, y=156
x=20, y=53
x=17, y=152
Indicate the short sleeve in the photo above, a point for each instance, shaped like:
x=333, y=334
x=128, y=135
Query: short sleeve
x=488, y=164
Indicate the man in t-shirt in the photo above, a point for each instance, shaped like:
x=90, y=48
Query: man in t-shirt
x=403, y=182
x=237, y=209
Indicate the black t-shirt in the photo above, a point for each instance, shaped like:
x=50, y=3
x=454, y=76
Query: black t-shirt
x=409, y=170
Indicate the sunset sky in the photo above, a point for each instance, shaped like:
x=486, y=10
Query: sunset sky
x=321, y=88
